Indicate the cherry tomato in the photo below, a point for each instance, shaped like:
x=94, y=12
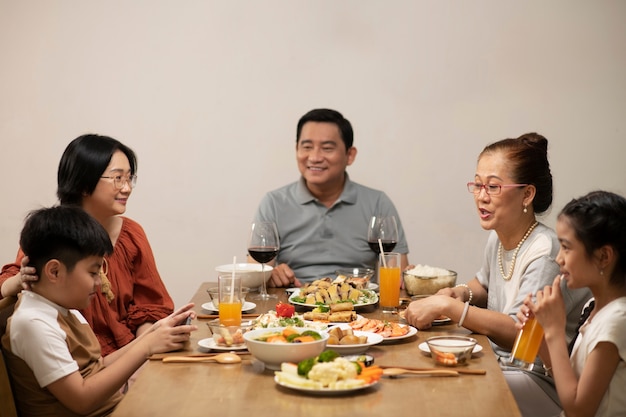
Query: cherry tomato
x=285, y=310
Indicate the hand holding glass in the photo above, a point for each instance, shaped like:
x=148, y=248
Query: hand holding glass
x=527, y=344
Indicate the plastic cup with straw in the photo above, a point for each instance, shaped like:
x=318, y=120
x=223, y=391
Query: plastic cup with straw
x=389, y=280
x=230, y=305
x=232, y=281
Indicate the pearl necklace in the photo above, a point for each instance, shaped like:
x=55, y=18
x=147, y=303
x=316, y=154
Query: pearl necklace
x=519, y=245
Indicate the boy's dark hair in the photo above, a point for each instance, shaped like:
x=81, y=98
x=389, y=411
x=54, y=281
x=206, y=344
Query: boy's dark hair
x=83, y=163
x=66, y=233
x=328, y=116
x=599, y=218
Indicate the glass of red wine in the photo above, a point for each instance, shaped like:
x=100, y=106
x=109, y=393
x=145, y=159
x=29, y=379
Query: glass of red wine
x=384, y=228
x=263, y=246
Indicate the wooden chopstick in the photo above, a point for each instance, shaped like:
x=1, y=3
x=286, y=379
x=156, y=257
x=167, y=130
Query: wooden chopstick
x=160, y=356
x=458, y=369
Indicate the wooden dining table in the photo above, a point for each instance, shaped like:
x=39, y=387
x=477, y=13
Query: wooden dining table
x=245, y=389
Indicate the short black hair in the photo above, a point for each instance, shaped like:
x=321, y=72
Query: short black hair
x=328, y=116
x=83, y=163
x=66, y=233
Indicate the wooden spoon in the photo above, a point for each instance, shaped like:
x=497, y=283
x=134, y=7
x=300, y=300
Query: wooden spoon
x=220, y=358
x=435, y=372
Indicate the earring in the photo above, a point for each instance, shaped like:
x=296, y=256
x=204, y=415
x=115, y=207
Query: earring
x=602, y=272
x=525, y=209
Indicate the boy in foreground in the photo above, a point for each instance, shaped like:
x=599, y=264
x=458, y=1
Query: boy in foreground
x=52, y=354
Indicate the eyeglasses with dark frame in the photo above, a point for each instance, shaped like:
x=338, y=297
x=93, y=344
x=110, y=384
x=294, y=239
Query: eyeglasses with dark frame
x=490, y=189
x=119, y=181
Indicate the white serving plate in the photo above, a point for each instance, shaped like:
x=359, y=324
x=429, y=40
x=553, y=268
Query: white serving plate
x=296, y=293
x=436, y=322
x=440, y=322
x=323, y=391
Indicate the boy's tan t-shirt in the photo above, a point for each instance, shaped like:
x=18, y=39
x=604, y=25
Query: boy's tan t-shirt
x=43, y=343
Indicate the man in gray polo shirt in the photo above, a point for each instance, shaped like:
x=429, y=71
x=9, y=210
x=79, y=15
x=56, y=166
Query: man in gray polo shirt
x=322, y=219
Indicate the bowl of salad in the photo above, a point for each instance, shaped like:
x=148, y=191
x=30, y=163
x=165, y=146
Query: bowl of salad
x=275, y=345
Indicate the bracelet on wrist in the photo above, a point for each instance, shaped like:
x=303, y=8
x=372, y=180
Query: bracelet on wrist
x=469, y=291
x=465, y=310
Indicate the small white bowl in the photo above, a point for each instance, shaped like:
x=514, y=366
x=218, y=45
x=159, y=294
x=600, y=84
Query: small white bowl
x=250, y=273
x=451, y=350
x=273, y=354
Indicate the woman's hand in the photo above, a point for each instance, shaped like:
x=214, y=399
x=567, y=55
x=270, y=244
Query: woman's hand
x=28, y=274
x=421, y=313
x=23, y=280
x=454, y=292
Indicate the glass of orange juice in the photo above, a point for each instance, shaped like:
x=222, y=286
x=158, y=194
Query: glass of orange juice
x=527, y=344
x=230, y=299
x=389, y=278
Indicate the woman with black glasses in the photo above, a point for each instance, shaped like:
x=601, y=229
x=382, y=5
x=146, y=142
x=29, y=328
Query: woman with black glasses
x=98, y=173
x=512, y=185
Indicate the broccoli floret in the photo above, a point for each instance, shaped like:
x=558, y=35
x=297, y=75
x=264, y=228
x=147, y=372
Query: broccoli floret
x=327, y=356
x=305, y=366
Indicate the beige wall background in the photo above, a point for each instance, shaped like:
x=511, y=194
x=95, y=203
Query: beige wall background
x=208, y=94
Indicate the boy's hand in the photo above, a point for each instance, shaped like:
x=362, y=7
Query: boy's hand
x=168, y=334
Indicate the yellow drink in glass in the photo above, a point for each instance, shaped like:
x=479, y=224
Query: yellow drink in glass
x=389, y=288
x=229, y=293
x=230, y=313
x=527, y=344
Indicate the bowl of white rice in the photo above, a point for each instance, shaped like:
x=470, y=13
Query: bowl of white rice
x=427, y=280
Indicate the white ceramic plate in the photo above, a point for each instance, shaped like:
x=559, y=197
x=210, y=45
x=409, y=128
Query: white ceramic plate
x=323, y=391
x=436, y=322
x=440, y=322
x=373, y=300
x=247, y=306
x=424, y=348
x=372, y=339
x=209, y=343
x=412, y=332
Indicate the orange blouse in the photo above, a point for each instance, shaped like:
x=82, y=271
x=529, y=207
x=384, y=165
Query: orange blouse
x=140, y=295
